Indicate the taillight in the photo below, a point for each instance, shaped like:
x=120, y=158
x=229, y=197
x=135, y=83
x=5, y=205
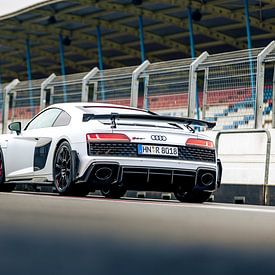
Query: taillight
x=107, y=137
x=204, y=143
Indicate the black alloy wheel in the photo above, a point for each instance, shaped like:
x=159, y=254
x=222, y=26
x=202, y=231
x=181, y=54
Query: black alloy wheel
x=81, y=189
x=63, y=173
x=195, y=196
x=62, y=169
x=4, y=187
x=113, y=191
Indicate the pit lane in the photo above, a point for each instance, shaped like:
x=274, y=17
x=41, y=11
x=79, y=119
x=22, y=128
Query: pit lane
x=49, y=234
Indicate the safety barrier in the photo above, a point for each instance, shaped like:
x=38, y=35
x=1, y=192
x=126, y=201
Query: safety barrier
x=246, y=165
x=235, y=94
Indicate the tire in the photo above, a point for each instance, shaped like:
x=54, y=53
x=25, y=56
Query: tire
x=8, y=187
x=195, y=196
x=63, y=174
x=62, y=169
x=113, y=191
x=80, y=190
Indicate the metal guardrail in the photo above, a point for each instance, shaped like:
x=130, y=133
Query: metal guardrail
x=166, y=81
x=170, y=87
x=267, y=157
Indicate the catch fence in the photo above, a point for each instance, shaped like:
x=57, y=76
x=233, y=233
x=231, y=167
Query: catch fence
x=237, y=90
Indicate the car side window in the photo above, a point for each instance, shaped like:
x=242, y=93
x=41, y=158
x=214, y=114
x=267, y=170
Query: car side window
x=63, y=119
x=45, y=119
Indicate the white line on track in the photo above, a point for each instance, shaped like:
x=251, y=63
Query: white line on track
x=152, y=202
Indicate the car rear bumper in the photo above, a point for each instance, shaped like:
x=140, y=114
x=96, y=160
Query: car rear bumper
x=151, y=178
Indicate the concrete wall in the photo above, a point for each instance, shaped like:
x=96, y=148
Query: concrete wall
x=243, y=157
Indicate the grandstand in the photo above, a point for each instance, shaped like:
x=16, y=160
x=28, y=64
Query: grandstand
x=89, y=51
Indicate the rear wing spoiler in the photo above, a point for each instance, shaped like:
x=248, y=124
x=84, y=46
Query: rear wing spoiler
x=115, y=116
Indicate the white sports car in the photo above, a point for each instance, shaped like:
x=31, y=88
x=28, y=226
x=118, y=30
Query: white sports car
x=83, y=147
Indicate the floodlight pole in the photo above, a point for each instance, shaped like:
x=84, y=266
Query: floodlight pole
x=193, y=54
x=99, y=48
x=100, y=59
x=141, y=38
x=249, y=45
x=144, y=63
x=63, y=69
x=29, y=70
x=191, y=33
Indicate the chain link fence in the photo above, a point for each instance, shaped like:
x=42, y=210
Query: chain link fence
x=235, y=93
x=112, y=86
x=2, y=102
x=65, y=88
x=22, y=101
x=166, y=87
x=229, y=93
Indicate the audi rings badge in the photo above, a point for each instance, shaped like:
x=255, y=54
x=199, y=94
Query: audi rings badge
x=158, y=138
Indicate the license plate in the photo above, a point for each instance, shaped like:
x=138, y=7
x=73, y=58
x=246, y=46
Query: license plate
x=157, y=150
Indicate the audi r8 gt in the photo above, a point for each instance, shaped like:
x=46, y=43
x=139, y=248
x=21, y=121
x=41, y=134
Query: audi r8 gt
x=83, y=147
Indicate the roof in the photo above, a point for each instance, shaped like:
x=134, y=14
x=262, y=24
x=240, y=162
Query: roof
x=92, y=104
x=84, y=106
x=221, y=28
x=10, y=8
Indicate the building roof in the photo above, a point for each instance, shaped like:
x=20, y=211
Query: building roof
x=218, y=26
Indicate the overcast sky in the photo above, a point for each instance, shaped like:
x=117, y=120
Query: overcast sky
x=9, y=6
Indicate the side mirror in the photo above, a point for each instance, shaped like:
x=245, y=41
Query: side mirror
x=15, y=127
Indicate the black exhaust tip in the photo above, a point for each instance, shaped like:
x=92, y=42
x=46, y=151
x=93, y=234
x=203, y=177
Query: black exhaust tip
x=207, y=179
x=103, y=173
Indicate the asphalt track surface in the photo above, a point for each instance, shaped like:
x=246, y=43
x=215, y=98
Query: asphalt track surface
x=50, y=234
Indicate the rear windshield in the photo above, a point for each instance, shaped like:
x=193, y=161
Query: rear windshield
x=108, y=110
x=97, y=110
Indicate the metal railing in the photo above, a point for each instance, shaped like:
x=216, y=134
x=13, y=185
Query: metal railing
x=233, y=92
x=112, y=86
x=229, y=91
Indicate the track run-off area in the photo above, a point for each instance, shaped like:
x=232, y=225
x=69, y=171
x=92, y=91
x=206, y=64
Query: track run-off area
x=49, y=234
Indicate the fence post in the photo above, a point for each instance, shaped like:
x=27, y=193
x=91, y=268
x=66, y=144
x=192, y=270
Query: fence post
x=43, y=93
x=260, y=83
x=135, y=82
x=273, y=99
x=85, y=82
x=95, y=91
x=204, y=93
x=192, y=89
x=29, y=71
x=7, y=91
x=249, y=45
